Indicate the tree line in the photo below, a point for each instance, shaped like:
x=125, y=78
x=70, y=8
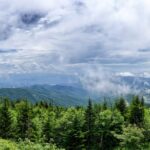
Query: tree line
x=91, y=127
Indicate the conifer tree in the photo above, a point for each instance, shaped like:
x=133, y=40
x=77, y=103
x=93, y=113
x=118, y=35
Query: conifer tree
x=121, y=105
x=89, y=126
x=75, y=136
x=104, y=105
x=48, y=131
x=24, y=121
x=136, y=112
x=5, y=120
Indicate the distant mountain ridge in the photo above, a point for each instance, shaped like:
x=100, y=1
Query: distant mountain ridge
x=75, y=94
x=58, y=94
x=139, y=83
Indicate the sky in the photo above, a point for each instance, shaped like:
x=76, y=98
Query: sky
x=62, y=41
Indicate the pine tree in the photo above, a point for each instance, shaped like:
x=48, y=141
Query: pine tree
x=104, y=105
x=75, y=136
x=121, y=105
x=48, y=131
x=5, y=120
x=24, y=121
x=136, y=112
x=89, y=126
x=142, y=110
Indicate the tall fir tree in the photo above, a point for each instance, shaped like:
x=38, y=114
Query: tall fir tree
x=121, y=105
x=75, y=136
x=47, y=131
x=24, y=123
x=105, y=104
x=5, y=120
x=137, y=112
x=89, y=126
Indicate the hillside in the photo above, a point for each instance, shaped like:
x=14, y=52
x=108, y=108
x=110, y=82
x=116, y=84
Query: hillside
x=58, y=94
x=70, y=95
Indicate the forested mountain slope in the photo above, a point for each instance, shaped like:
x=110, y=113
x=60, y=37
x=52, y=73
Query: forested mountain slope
x=57, y=94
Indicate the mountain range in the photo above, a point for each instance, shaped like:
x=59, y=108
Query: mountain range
x=57, y=94
x=70, y=95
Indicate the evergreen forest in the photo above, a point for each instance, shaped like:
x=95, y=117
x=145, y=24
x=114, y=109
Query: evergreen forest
x=44, y=126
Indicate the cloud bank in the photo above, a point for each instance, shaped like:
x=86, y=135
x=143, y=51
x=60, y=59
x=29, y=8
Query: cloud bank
x=100, y=82
x=65, y=36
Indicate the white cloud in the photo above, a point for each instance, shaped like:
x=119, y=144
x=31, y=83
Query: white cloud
x=101, y=82
x=125, y=74
x=101, y=32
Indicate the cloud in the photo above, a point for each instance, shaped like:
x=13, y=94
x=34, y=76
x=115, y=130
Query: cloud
x=59, y=35
x=100, y=82
x=8, y=50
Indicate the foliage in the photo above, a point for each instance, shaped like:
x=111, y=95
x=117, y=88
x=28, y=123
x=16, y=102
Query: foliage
x=89, y=126
x=44, y=126
x=24, y=121
x=136, y=111
x=131, y=138
x=25, y=145
x=121, y=105
x=107, y=123
x=5, y=120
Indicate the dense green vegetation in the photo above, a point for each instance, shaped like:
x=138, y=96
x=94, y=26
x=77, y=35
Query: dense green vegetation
x=27, y=126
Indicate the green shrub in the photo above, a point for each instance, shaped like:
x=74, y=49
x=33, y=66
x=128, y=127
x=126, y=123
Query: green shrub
x=25, y=145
